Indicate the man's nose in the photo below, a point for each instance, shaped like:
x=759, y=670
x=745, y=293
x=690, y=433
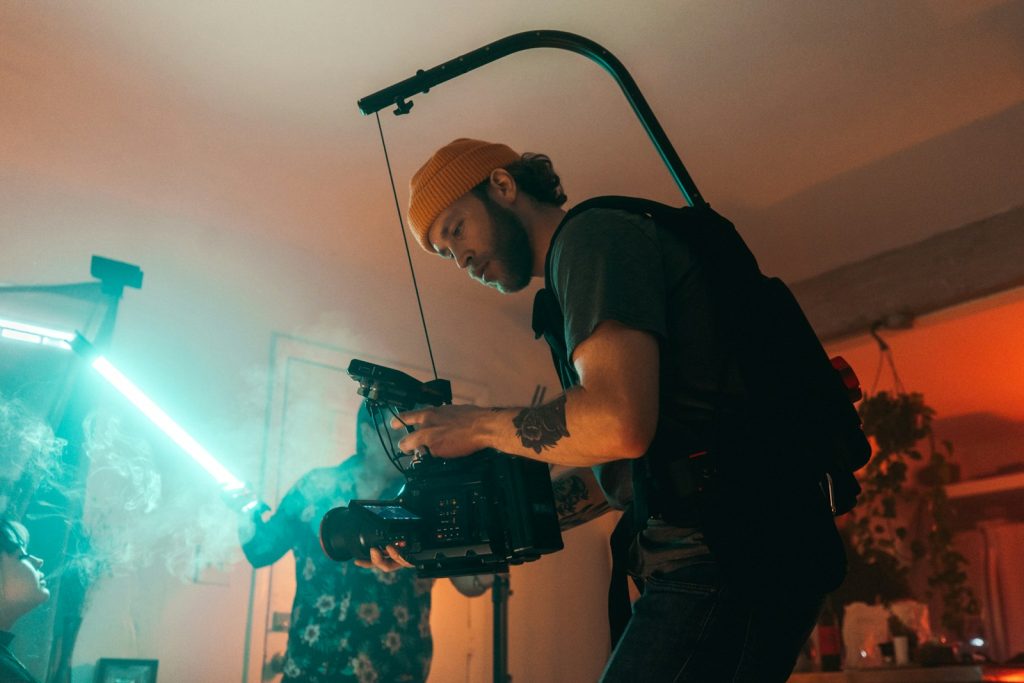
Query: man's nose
x=37, y=562
x=464, y=259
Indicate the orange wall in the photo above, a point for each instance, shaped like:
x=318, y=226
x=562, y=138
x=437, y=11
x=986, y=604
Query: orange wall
x=969, y=364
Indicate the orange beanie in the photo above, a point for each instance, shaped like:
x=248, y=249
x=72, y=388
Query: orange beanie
x=454, y=170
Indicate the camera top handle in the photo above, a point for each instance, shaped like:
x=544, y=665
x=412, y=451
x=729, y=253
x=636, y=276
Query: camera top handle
x=395, y=388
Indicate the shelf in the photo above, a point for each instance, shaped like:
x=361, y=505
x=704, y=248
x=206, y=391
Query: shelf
x=936, y=674
x=1003, y=483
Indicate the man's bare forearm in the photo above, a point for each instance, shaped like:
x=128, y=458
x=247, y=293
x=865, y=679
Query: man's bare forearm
x=575, y=429
x=578, y=498
x=611, y=415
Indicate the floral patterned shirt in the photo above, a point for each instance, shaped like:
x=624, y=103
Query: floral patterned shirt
x=347, y=623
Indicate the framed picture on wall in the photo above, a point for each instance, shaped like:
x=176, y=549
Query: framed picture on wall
x=125, y=670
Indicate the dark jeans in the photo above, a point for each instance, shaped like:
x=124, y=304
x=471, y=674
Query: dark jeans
x=690, y=625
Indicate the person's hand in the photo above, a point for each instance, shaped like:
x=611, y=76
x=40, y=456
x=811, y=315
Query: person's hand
x=390, y=562
x=244, y=501
x=445, y=431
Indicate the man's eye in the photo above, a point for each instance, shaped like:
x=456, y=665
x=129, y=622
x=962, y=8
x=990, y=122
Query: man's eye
x=457, y=232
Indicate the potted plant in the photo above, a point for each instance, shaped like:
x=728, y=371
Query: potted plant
x=882, y=544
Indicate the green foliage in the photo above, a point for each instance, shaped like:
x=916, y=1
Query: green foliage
x=947, y=576
x=881, y=549
x=875, y=574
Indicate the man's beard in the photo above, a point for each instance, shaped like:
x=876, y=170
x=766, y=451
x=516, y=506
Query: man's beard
x=511, y=247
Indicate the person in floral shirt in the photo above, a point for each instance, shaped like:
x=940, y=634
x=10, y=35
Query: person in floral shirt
x=348, y=623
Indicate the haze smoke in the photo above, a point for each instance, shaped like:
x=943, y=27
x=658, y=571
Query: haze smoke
x=133, y=520
x=29, y=455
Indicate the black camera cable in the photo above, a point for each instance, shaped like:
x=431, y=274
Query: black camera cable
x=393, y=454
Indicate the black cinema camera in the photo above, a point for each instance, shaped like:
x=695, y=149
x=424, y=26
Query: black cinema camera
x=471, y=515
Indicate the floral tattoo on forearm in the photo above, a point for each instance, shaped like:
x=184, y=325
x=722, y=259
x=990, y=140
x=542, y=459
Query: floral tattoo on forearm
x=574, y=504
x=543, y=426
x=569, y=493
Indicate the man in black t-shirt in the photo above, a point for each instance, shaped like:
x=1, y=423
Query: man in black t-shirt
x=636, y=353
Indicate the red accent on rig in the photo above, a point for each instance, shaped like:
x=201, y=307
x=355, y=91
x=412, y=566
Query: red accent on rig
x=849, y=377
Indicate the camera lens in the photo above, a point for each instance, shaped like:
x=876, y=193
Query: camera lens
x=339, y=536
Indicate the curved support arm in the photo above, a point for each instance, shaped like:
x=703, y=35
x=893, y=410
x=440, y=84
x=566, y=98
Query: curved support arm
x=423, y=81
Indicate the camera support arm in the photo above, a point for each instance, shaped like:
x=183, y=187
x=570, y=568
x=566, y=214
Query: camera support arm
x=423, y=81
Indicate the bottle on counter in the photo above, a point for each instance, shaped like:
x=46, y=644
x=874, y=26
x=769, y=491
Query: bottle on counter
x=829, y=638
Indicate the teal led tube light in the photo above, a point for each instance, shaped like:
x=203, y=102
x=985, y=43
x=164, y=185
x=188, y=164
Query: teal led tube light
x=34, y=334
x=228, y=482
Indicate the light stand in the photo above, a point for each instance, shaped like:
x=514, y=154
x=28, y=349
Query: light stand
x=500, y=592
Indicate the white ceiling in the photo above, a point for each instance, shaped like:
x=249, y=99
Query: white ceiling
x=829, y=131
x=763, y=100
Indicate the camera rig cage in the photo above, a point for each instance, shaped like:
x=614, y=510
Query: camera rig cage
x=472, y=515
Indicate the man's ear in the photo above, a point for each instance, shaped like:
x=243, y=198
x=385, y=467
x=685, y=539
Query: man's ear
x=503, y=186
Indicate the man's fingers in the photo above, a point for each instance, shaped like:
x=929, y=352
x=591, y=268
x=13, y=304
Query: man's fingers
x=378, y=560
x=392, y=561
x=397, y=557
x=411, y=442
x=412, y=417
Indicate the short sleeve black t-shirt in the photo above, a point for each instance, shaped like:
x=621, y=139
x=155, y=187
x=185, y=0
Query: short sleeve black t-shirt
x=603, y=267
x=607, y=264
